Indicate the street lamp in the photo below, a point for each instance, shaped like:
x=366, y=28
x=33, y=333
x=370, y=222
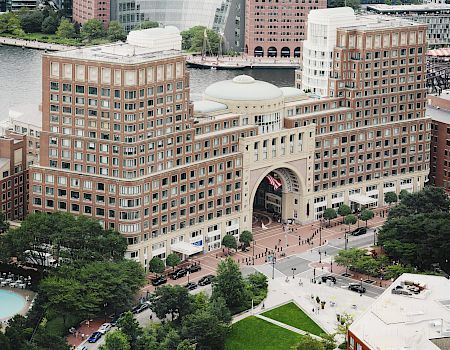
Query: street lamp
x=320, y=257
x=293, y=272
x=188, y=276
x=374, y=237
x=274, y=259
x=331, y=268
x=320, y=235
x=346, y=239
x=253, y=249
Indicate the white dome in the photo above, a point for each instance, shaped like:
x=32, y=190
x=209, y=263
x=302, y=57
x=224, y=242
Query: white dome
x=243, y=88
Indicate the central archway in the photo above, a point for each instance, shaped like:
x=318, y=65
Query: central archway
x=277, y=194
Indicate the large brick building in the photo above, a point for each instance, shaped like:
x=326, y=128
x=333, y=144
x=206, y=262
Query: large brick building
x=439, y=111
x=84, y=10
x=121, y=141
x=277, y=28
x=13, y=175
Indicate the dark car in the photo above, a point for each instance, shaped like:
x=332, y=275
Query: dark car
x=194, y=268
x=115, y=319
x=359, y=231
x=191, y=286
x=205, y=280
x=141, y=307
x=94, y=337
x=329, y=278
x=159, y=280
x=178, y=274
x=356, y=287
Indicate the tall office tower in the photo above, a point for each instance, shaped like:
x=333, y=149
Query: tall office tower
x=13, y=175
x=277, y=28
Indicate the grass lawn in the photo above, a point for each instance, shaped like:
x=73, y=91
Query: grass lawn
x=252, y=333
x=291, y=315
x=56, y=325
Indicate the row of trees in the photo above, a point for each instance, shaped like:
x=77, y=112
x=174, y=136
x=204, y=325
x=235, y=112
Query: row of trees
x=346, y=213
x=193, y=39
x=157, y=265
x=191, y=321
x=50, y=22
x=91, y=277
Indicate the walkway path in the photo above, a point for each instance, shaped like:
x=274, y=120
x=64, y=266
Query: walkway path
x=286, y=326
x=33, y=44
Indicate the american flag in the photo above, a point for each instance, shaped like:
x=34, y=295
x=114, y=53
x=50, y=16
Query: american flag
x=274, y=182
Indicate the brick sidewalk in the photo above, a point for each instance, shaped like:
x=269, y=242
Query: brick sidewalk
x=273, y=239
x=84, y=331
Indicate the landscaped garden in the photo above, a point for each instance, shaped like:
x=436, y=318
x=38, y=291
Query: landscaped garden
x=292, y=315
x=253, y=333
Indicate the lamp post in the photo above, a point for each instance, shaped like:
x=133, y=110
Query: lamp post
x=254, y=249
x=188, y=276
x=346, y=239
x=274, y=259
x=293, y=272
x=331, y=263
x=375, y=237
x=320, y=257
x=320, y=234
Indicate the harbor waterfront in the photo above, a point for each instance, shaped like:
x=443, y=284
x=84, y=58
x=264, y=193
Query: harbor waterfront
x=21, y=70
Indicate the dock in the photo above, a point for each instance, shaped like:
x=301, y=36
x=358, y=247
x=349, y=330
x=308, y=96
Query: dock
x=241, y=62
x=30, y=44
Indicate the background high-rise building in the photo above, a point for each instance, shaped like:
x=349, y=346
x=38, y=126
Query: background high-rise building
x=84, y=10
x=277, y=29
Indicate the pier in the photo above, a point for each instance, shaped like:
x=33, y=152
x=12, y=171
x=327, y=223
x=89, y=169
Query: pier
x=33, y=44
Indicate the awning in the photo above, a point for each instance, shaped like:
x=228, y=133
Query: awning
x=361, y=199
x=185, y=248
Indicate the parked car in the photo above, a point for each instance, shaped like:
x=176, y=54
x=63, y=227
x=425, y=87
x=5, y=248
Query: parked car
x=328, y=278
x=115, y=319
x=159, y=280
x=141, y=307
x=194, y=268
x=356, y=287
x=94, y=337
x=178, y=274
x=104, y=328
x=359, y=231
x=191, y=286
x=206, y=280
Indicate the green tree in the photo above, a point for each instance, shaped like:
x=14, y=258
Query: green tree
x=185, y=345
x=130, y=328
x=116, y=32
x=366, y=215
x=147, y=25
x=245, y=238
x=390, y=197
x=229, y=242
x=174, y=300
x=92, y=29
x=66, y=29
x=218, y=308
x=345, y=321
x=403, y=194
x=116, y=340
x=349, y=257
x=10, y=24
x=30, y=21
x=229, y=284
x=344, y=210
x=171, y=340
x=173, y=260
x=368, y=265
x=50, y=24
x=193, y=38
x=329, y=214
x=206, y=330
x=306, y=342
x=354, y=4
x=4, y=224
x=350, y=219
x=396, y=270
x=156, y=265
x=69, y=239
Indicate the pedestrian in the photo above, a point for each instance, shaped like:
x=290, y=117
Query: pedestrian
x=151, y=317
x=263, y=306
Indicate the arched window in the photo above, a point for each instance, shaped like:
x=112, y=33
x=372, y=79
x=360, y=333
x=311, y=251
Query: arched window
x=272, y=52
x=297, y=52
x=285, y=52
x=259, y=52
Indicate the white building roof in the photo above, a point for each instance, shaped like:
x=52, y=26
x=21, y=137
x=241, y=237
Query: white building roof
x=400, y=322
x=141, y=46
x=409, y=8
x=205, y=106
x=243, y=88
x=185, y=248
x=292, y=92
x=440, y=115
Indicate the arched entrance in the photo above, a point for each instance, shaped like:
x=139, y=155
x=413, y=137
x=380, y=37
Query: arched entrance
x=272, y=52
x=297, y=52
x=285, y=52
x=258, y=52
x=278, y=195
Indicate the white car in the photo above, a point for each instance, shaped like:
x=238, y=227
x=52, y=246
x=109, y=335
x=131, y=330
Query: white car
x=104, y=328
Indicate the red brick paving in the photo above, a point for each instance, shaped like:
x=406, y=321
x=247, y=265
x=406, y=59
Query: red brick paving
x=85, y=328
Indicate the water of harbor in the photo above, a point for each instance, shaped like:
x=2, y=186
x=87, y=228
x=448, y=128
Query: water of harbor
x=20, y=77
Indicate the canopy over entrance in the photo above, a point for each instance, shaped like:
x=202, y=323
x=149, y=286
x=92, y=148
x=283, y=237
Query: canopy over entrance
x=361, y=199
x=186, y=248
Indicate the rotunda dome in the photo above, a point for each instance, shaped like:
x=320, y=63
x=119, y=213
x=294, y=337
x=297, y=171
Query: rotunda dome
x=243, y=88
